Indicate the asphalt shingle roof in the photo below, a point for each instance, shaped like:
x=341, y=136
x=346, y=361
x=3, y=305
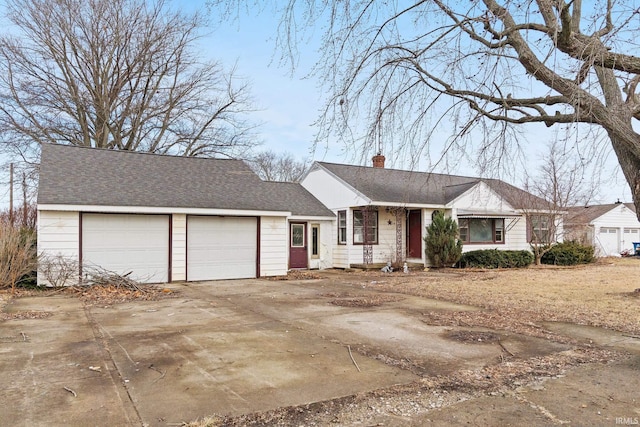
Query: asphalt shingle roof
x=72, y=175
x=586, y=214
x=401, y=186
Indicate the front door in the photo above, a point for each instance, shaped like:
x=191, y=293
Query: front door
x=414, y=234
x=298, y=245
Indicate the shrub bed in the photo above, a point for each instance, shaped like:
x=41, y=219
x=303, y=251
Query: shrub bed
x=568, y=253
x=494, y=258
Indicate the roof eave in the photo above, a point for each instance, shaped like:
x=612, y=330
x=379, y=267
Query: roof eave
x=160, y=210
x=311, y=218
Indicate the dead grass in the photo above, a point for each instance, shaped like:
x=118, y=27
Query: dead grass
x=601, y=294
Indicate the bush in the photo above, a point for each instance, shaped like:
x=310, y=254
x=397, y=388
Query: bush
x=494, y=258
x=442, y=246
x=18, y=258
x=569, y=253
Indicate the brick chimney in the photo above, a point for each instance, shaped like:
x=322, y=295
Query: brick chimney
x=378, y=161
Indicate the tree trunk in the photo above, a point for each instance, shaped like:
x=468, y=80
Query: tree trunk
x=630, y=164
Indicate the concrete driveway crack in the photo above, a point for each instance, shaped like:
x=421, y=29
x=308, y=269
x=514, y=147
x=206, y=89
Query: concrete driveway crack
x=128, y=405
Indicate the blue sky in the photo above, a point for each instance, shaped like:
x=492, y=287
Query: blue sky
x=287, y=104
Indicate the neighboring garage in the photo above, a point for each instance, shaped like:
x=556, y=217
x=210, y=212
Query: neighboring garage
x=611, y=229
x=221, y=247
x=135, y=244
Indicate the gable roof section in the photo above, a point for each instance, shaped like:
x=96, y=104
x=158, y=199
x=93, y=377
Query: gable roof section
x=587, y=214
x=296, y=199
x=517, y=197
x=401, y=186
x=82, y=176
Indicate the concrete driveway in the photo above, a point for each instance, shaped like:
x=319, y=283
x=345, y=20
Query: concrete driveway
x=228, y=347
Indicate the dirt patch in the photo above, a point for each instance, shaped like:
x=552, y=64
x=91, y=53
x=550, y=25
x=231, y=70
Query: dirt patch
x=634, y=294
x=351, y=300
x=25, y=315
x=297, y=275
x=472, y=336
x=506, y=320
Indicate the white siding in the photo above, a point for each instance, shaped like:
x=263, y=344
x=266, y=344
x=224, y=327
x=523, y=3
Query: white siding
x=385, y=251
x=333, y=193
x=341, y=256
x=516, y=234
x=327, y=230
x=58, y=234
x=481, y=197
x=274, y=246
x=179, y=247
x=325, y=245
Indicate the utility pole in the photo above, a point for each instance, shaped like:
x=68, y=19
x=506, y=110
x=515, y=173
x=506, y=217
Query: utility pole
x=25, y=212
x=11, y=194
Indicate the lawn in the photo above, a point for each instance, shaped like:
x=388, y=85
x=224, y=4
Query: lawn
x=606, y=293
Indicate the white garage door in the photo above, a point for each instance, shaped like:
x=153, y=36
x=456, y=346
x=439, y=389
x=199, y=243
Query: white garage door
x=630, y=235
x=608, y=241
x=128, y=243
x=221, y=247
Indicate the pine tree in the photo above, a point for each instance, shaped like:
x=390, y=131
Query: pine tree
x=443, y=248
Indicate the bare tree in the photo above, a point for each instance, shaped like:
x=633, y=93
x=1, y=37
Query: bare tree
x=24, y=216
x=562, y=181
x=271, y=166
x=18, y=255
x=412, y=70
x=116, y=74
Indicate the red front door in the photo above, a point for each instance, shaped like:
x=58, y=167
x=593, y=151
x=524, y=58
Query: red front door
x=298, y=245
x=414, y=234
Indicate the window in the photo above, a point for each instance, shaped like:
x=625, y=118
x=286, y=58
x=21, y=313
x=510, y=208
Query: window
x=297, y=235
x=540, y=229
x=498, y=225
x=481, y=230
x=365, y=233
x=342, y=227
x=315, y=236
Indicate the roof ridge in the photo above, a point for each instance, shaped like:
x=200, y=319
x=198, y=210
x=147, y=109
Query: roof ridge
x=125, y=152
x=404, y=170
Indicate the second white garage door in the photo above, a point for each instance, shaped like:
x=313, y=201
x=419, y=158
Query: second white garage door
x=221, y=247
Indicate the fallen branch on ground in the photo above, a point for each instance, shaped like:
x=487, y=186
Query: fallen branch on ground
x=352, y=359
x=162, y=373
x=505, y=349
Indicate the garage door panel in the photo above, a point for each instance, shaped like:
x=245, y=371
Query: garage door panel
x=128, y=243
x=221, y=247
x=608, y=241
